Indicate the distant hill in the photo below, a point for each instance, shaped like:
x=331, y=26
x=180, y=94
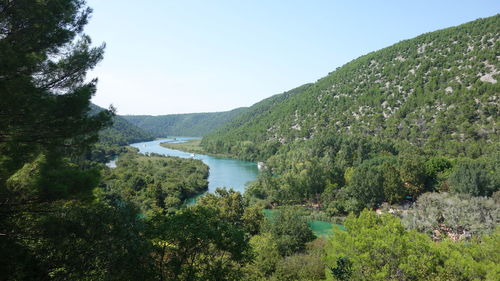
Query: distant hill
x=190, y=125
x=438, y=91
x=121, y=132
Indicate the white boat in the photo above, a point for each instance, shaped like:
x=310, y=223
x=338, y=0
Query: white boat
x=193, y=155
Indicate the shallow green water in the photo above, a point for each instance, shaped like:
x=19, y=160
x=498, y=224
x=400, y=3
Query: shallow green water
x=323, y=228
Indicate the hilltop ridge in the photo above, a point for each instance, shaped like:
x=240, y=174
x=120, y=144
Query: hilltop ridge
x=189, y=124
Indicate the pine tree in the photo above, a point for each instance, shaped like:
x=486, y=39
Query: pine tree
x=45, y=125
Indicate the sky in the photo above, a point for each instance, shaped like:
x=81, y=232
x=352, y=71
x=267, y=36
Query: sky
x=184, y=56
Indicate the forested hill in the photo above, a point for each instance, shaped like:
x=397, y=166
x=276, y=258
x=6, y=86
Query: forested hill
x=248, y=124
x=438, y=91
x=121, y=132
x=190, y=125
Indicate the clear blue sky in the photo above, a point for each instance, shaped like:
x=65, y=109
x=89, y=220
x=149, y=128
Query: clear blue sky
x=165, y=57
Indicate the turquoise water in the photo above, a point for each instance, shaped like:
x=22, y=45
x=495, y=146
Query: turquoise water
x=224, y=172
x=319, y=228
x=323, y=228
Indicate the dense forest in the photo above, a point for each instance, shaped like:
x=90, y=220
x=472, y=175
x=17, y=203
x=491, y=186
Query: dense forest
x=155, y=183
x=66, y=216
x=187, y=125
x=410, y=130
x=114, y=138
x=419, y=116
x=121, y=132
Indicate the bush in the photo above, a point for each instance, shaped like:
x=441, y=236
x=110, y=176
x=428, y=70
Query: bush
x=435, y=213
x=379, y=248
x=290, y=230
x=472, y=177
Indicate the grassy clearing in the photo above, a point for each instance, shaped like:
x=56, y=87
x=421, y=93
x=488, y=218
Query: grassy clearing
x=192, y=146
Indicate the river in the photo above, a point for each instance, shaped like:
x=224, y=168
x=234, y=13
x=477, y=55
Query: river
x=223, y=172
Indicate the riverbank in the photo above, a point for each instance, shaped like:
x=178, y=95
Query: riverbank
x=156, y=183
x=224, y=172
x=191, y=146
x=320, y=225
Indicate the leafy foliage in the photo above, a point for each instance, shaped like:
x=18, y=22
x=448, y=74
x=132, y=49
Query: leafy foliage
x=268, y=264
x=45, y=127
x=289, y=230
x=197, y=243
x=477, y=178
x=458, y=216
x=79, y=242
x=155, y=183
x=379, y=248
x=234, y=209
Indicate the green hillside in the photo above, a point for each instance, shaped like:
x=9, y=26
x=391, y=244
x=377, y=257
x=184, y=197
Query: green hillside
x=190, y=124
x=121, y=132
x=114, y=139
x=419, y=116
x=438, y=91
x=239, y=136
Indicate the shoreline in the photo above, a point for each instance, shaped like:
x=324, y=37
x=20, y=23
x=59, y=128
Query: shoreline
x=193, y=146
